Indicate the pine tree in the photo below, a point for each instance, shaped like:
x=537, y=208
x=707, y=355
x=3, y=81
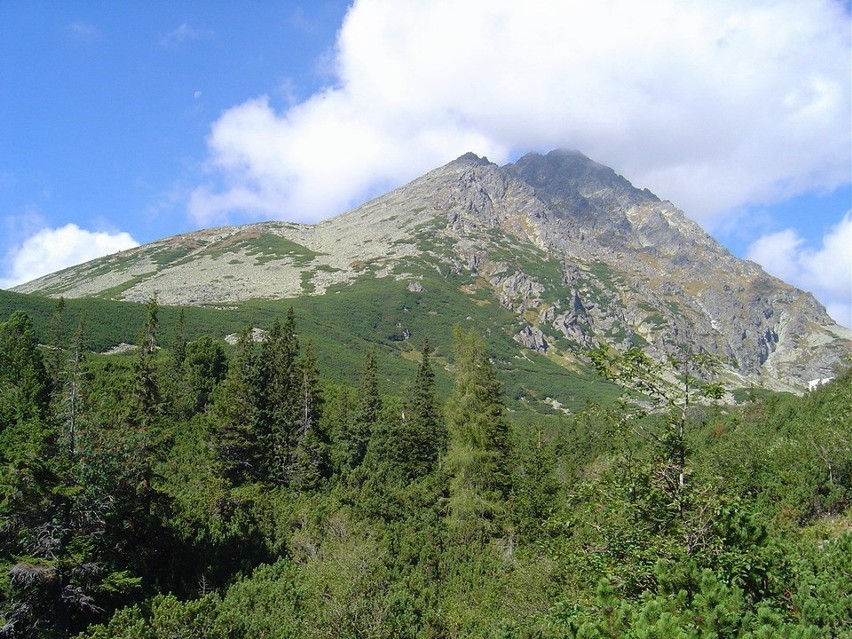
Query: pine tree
x=406, y=445
x=203, y=368
x=234, y=415
x=24, y=381
x=477, y=460
x=278, y=397
x=145, y=398
x=431, y=432
x=367, y=413
x=310, y=461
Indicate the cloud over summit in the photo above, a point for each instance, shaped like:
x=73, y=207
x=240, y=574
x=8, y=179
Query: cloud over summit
x=712, y=105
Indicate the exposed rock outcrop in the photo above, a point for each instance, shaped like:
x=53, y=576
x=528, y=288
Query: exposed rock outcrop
x=532, y=338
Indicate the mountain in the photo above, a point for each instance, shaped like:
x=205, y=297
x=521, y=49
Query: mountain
x=573, y=250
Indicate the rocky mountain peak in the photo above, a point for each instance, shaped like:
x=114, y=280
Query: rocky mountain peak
x=578, y=253
x=472, y=158
x=571, y=181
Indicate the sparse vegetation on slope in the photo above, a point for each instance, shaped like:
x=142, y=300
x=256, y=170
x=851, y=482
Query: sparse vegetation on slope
x=573, y=251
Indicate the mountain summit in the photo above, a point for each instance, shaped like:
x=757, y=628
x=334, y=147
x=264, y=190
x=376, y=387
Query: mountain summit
x=573, y=249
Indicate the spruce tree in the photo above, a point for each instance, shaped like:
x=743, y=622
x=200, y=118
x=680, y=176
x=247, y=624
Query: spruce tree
x=406, y=445
x=234, y=415
x=24, y=381
x=309, y=461
x=203, y=368
x=422, y=410
x=338, y=411
x=367, y=413
x=278, y=397
x=145, y=398
x=72, y=396
x=477, y=460
x=142, y=439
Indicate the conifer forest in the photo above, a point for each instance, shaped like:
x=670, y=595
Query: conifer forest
x=190, y=488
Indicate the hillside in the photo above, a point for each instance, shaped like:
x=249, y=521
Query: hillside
x=574, y=252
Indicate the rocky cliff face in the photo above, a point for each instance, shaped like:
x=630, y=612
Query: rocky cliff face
x=576, y=251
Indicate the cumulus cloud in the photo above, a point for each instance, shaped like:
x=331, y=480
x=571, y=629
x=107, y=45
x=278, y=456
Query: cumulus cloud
x=826, y=272
x=51, y=249
x=714, y=105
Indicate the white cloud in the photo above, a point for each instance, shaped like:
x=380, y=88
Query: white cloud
x=50, y=250
x=714, y=105
x=184, y=33
x=827, y=272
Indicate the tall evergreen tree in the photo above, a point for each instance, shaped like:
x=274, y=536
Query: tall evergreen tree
x=142, y=439
x=278, y=396
x=337, y=417
x=24, y=381
x=406, y=445
x=203, y=368
x=50, y=523
x=310, y=461
x=366, y=414
x=136, y=448
x=477, y=460
x=145, y=398
x=422, y=410
x=234, y=415
x=72, y=397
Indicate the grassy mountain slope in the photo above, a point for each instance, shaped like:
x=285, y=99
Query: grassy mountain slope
x=379, y=314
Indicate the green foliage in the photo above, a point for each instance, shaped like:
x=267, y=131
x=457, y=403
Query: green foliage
x=235, y=415
x=640, y=375
x=365, y=416
x=310, y=461
x=202, y=369
x=277, y=397
x=219, y=493
x=407, y=440
x=477, y=459
x=58, y=563
x=379, y=312
x=270, y=247
x=534, y=485
x=24, y=383
x=792, y=455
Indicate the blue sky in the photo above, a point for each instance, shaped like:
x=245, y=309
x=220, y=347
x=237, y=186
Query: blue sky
x=121, y=123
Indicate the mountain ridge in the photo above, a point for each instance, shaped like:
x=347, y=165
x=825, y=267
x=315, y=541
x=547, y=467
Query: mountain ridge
x=577, y=252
